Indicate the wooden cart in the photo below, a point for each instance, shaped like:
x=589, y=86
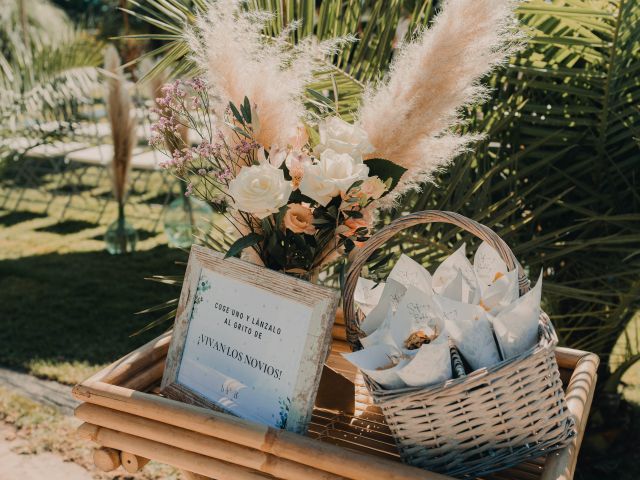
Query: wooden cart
x=131, y=422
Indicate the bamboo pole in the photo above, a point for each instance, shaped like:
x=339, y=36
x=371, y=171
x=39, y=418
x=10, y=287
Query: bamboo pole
x=569, y=357
x=562, y=464
x=199, y=443
x=338, y=332
x=193, y=476
x=106, y=459
x=132, y=463
x=190, y=461
x=147, y=377
x=320, y=455
x=123, y=369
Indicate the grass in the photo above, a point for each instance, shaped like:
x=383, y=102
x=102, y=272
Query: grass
x=67, y=306
x=65, y=313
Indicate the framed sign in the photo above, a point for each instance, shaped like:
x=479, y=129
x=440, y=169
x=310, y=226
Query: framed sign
x=249, y=341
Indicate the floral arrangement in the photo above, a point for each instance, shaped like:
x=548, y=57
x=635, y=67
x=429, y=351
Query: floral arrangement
x=300, y=190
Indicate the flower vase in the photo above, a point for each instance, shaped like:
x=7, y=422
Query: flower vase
x=185, y=217
x=121, y=237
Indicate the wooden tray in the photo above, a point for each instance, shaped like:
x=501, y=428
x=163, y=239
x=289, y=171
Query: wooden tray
x=125, y=414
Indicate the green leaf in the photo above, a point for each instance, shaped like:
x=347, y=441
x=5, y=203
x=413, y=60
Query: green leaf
x=238, y=130
x=267, y=228
x=385, y=169
x=246, y=110
x=314, y=136
x=279, y=218
x=239, y=245
x=236, y=113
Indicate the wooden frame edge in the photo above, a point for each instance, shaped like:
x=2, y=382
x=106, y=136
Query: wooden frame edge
x=323, y=302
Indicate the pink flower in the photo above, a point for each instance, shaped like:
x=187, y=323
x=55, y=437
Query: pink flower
x=245, y=147
x=373, y=188
x=197, y=84
x=296, y=162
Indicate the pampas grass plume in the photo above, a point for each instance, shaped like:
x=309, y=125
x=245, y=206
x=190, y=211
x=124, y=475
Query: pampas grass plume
x=229, y=46
x=410, y=116
x=122, y=122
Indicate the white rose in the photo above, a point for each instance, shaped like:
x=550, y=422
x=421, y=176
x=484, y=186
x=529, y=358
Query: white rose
x=260, y=190
x=331, y=176
x=343, y=137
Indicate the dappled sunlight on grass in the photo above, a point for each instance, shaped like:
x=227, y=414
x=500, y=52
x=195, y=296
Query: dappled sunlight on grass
x=68, y=307
x=68, y=372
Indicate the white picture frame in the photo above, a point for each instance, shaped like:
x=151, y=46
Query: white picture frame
x=249, y=341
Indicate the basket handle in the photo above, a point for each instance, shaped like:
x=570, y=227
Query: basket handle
x=359, y=257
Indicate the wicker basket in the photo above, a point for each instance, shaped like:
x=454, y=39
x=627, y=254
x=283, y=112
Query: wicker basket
x=488, y=420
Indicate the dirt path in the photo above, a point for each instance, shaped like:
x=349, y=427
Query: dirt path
x=43, y=466
x=38, y=439
x=46, y=392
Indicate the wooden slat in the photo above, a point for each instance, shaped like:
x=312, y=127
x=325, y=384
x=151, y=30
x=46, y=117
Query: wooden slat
x=307, y=451
x=364, y=433
x=562, y=465
x=124, y=369
x=202, y=444
x=163, y=453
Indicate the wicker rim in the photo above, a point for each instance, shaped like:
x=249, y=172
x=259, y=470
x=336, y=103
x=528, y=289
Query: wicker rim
x=359, y=257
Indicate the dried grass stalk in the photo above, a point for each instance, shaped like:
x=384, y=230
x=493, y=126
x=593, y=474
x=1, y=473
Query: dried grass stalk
x=229, y=46
x=411, y=115
x=122, y=122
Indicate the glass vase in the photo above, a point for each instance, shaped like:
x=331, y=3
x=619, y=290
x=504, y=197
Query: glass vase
x=185, y=217
x=121, y=237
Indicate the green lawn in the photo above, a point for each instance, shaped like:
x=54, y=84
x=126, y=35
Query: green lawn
x=67, y=307
x=79, y=307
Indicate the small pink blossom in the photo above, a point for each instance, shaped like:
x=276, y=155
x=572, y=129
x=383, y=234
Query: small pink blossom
x=245, y=146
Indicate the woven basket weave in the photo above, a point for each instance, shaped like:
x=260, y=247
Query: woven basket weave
x=488, y=420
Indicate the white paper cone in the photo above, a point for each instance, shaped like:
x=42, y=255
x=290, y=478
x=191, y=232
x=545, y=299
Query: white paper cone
x=457, y=268
x=367, y=294
x=370, y=359
x=501, y=293
x=487, y=264
x=382, y=334
x=470, y=330
x=390, y=297
x=416, y=311
x=410, y=273
x=432, y=364
x=516, y=326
